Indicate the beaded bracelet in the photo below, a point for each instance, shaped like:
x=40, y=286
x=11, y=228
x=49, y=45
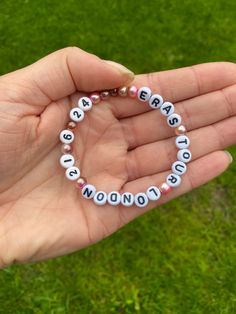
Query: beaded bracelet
x=153, y=192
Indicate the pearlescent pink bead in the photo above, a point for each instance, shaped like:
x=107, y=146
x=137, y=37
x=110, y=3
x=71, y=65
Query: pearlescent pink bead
x=80, y=183
x=114, y=92
x=165, y=188
x=105, y=94
x=71, y=125
x=66, y=148
x=95, y=98
x=132, y=92
x=123, y=91
x=180, y=130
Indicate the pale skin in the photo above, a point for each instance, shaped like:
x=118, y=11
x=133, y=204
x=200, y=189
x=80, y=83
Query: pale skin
x=121, y=145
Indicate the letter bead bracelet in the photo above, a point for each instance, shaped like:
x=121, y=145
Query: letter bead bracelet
x=153, y=193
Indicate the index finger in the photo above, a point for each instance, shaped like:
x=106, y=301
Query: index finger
x=178, y=85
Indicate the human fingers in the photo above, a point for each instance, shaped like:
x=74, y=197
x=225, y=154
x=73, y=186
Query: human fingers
x=158, y=156
x=180, y=84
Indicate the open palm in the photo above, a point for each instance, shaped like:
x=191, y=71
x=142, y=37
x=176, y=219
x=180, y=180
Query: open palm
x=120, y=145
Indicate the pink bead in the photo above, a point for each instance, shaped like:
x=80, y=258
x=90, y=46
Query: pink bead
x=165, y=188
x=180, y=130
x=114, y=92
x=104, y=95
x=71, y=125
x=80, y=183
x=133, y=91
x=123, y=91
x=95, y=98
x=66, y=148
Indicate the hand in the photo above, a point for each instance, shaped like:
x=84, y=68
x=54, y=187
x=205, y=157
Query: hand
x=122, y=145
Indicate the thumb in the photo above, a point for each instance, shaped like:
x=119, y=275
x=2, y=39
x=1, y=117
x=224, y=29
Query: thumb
x=63, y=72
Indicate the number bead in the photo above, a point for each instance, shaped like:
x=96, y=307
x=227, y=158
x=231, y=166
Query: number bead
x=173, y=180
x=72, y=173
x=76, y=114
x=66, y=136
x=141, y=199
x=144, y=93
x=67, y=161
x=184, y=155
x=85, y=103
x=100, y=198
x=174, y=120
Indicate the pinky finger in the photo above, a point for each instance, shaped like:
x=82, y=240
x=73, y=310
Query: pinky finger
x=199, y=172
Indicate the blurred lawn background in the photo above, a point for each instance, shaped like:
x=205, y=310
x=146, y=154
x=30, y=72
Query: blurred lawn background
x=180, y=258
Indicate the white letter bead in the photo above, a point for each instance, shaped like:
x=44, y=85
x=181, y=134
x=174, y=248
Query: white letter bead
x=127, y=199
x=88, y=191
x=179, y=167
x=85, y=103
x=144, y=93
x=155, y=101
x=113, y=198
x=174, y=120
x=173, y=180
x=66, y=136
x=184, y=155
x=100, y=198
x=72, y=173
x=67, y=161
x=153, y=193
x=182, y=141
x=141, y=199
x=167, y=109
x=76, y=114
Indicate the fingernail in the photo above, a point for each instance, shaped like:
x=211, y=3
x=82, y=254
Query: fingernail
x=229, y=156
x=122, y=69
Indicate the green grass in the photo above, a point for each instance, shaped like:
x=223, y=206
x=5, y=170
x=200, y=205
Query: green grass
x=180, y=258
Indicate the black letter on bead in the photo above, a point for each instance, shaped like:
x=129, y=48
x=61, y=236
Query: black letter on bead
x=87, y=192
x=156, y=102
x=100, y=196
x=154, y=191
x=173, y=121
x=186, y=155
x=172, y=179
x=179, y=166
x=127, y=198
x=167, y=109
x=113, y=199
x=141, y=200
x=143, y=95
